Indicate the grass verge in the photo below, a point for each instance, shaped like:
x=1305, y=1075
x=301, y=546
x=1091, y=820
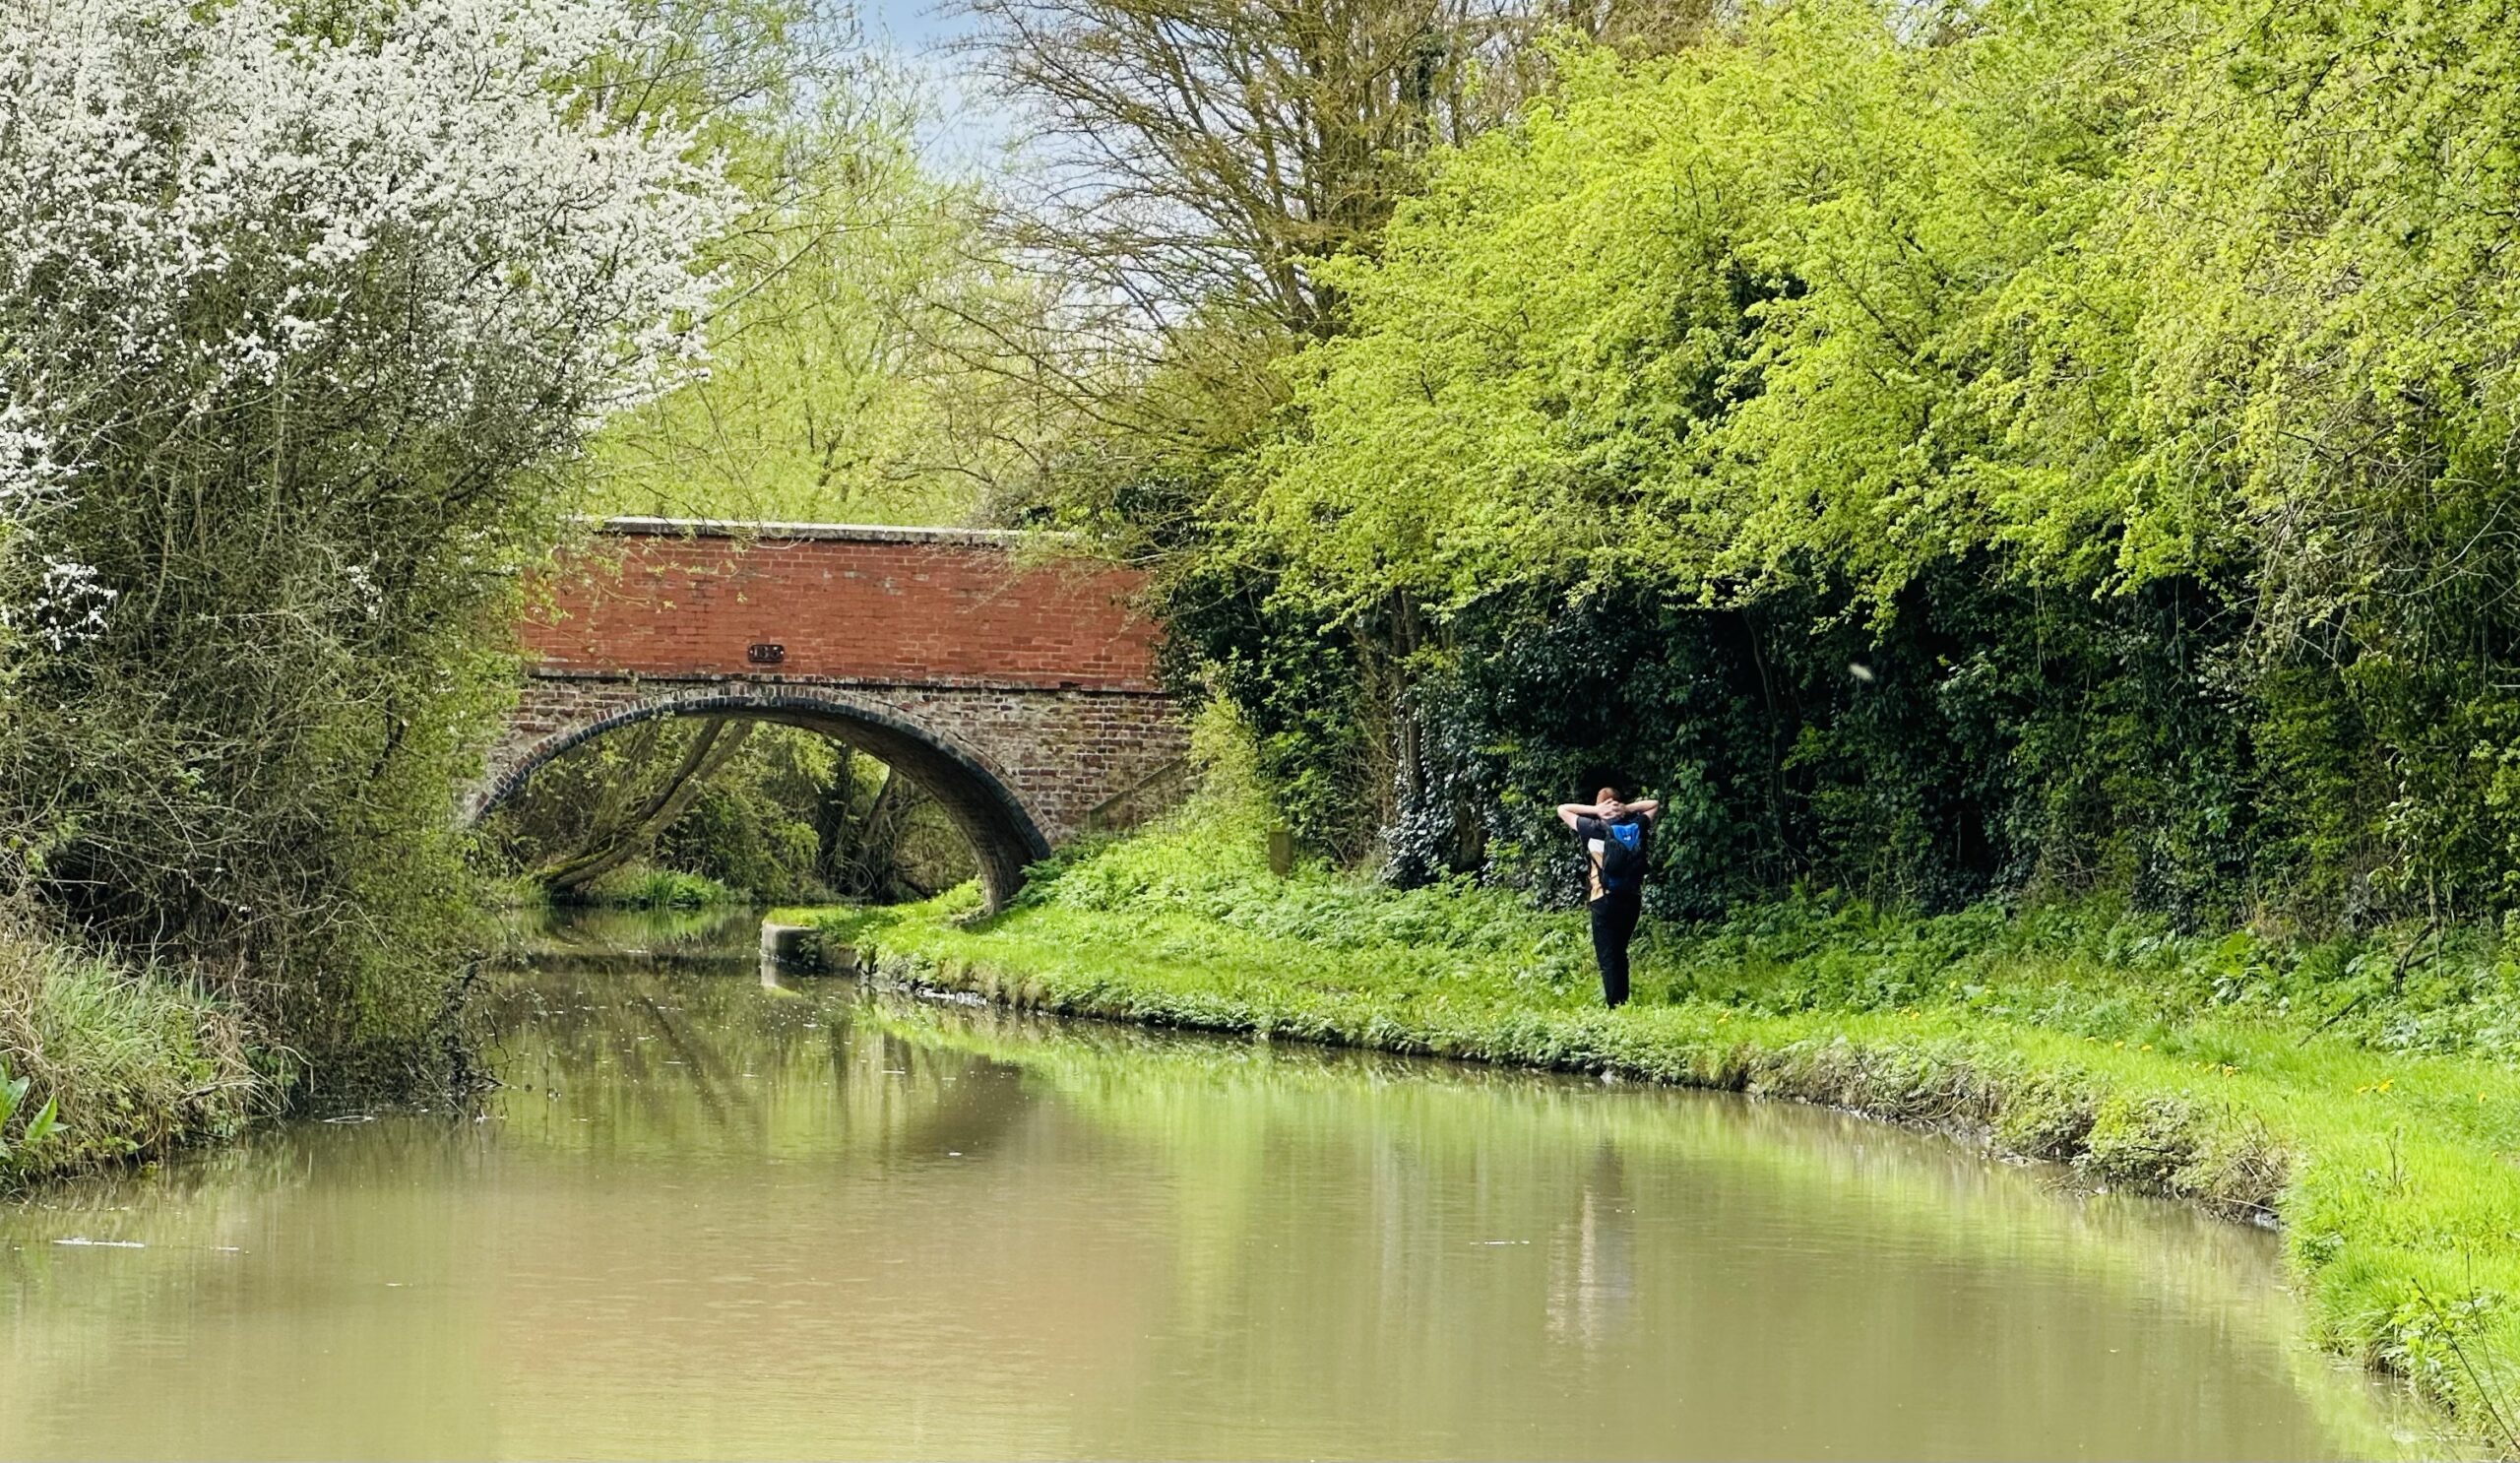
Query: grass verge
x=645, y=886
x=134, y=1064
x=2366, y=1101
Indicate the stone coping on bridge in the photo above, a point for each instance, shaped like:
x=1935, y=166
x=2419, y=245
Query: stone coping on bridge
x=667, y=678
x=635, y=526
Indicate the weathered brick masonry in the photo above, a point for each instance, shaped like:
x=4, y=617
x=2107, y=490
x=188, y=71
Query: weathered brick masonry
x=1021, y=692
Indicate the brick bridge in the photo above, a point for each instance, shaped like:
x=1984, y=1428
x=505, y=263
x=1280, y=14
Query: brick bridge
x=1019, y=692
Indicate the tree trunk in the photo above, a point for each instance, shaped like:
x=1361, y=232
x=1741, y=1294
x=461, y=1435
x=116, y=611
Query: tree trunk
x=872, y=869
x=607, y=851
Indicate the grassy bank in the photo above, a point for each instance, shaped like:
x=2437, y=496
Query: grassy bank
x=129, y=1064
x=633, y=886
x=2365, y=1095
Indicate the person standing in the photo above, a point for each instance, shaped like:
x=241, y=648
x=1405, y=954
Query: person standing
x=1616, y=838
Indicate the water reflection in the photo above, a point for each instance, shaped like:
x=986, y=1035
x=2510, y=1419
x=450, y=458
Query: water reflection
x=715, y=934
x=1593, y=1281
x=707, y=1217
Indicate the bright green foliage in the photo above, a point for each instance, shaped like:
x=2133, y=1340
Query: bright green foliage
x=1943, y=452
x=1695, y=321
x=841, y=385
x=643, y=886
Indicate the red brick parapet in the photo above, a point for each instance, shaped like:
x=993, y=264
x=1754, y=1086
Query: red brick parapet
x=885, y=606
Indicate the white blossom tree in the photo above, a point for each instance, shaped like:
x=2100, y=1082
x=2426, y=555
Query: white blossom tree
x=409, y=205
x=300, y=302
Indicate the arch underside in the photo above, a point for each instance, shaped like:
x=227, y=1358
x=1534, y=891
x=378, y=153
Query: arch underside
x=1004, y=836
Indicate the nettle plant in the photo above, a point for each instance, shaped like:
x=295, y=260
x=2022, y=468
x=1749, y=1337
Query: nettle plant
x=300, y=306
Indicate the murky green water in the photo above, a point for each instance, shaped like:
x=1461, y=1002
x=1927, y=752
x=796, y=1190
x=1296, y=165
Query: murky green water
x=709, y=1218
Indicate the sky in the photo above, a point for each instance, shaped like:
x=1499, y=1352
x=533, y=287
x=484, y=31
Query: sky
x=910, y=24
x=970, y=128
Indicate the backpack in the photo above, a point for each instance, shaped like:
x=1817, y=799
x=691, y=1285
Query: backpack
x=1622, y=855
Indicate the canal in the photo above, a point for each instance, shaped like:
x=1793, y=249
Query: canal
x=708, y=1215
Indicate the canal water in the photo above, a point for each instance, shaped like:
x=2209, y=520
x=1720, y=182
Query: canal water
x=710, y=1217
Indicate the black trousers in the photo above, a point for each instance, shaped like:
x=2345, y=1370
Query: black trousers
x=1614, y=926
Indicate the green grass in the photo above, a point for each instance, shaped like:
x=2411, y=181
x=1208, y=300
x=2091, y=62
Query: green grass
x=133, y=1064
x=2365, y=1093
x=644, y=886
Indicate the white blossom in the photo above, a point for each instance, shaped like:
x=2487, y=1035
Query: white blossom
x=28, y=470
x=363, y=587
x=207, y=210
x=69, y=607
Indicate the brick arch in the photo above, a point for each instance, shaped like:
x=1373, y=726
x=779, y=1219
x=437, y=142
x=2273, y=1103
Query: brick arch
x=1016, y=683
x=1003, y=833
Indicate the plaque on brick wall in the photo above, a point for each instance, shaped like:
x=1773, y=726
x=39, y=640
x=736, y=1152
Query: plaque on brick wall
x=765, y=655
